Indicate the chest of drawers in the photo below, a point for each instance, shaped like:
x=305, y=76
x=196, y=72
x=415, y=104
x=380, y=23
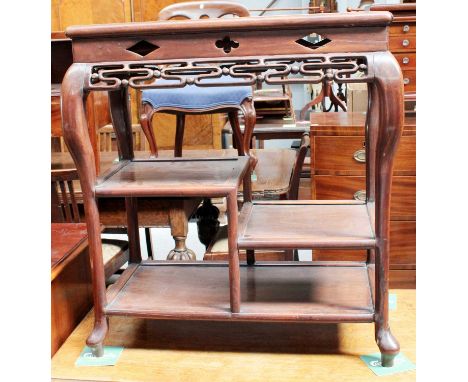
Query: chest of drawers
x=338, y=166
x=402, y=39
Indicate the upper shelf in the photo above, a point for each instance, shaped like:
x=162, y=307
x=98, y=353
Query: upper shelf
x=305, y=224
x=177, y=177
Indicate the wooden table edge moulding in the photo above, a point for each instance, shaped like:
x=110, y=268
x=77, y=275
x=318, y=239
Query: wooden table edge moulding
x=273, y=50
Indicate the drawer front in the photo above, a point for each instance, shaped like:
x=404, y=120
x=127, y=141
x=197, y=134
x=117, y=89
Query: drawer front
x=406, y=60
x=402, y=28
x=409, y=80
x=402, y=244
x=403, y=204
x=402, y=43
x=345, y=155
x=402, y=279
x=402, y=248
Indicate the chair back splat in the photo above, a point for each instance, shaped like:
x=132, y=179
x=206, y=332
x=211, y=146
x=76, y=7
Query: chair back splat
x=202, y=10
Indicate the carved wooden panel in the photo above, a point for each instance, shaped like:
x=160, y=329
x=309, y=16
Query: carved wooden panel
x=83, y=12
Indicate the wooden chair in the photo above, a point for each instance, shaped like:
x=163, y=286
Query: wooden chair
x=65, y=209
x=107, y=143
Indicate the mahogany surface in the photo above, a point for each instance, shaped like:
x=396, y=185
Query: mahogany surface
x=202, y=177
x=336, y=174
x=305, y=225
x=71, y=290
x=104, y=60
x=269, y=292
x=67, y=240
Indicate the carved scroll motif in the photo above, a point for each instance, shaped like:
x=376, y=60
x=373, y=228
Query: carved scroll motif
x=275, y=70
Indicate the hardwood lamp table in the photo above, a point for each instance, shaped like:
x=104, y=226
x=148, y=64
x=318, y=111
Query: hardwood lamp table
x=353, y=48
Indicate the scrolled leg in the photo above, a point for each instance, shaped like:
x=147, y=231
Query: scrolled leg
x=77, y=138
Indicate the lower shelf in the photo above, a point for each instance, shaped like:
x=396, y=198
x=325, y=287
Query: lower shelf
x=325, y=292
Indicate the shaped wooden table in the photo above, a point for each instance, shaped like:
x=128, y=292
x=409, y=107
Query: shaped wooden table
x=274, y=50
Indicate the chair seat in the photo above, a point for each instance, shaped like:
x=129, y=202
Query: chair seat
x=114, y=255
x=196, y=97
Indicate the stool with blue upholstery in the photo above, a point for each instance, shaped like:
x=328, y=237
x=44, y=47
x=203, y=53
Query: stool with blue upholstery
x=200, y=100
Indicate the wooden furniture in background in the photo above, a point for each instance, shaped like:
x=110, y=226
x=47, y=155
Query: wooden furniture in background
x=71, y=291
x=202, y=131
x=353, y=292
x=97, y=107
x=173, y=213
x=402, y=40
x=338, y=168
x=65, y=209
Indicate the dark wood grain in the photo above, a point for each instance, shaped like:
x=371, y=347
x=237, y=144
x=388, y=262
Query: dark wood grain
x=358, y=45
x=71, y=292
x=315, y=293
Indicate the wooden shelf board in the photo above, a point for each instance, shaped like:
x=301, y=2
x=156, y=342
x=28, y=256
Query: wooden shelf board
x=309, y=225
x=269, y=292
x=173, y=177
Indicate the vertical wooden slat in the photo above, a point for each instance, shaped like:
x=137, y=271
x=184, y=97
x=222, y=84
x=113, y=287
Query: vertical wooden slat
x=76, y=213
x=65, y=204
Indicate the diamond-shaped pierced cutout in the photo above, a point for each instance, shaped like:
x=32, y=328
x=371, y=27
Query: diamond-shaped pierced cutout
x=143, y=48
x=313, y=41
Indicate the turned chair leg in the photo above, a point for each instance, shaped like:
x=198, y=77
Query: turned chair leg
x=149, y=247
x=179, y=230
x=179, y=138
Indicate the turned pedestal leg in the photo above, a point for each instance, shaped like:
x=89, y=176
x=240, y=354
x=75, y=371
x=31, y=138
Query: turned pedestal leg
x=179, y=229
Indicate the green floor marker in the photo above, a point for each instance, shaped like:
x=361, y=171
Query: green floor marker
x=110, y=357
x=401, y=364
x=392, y=301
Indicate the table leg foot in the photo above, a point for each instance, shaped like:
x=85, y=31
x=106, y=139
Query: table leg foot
x=97, y=350
x=388, y=345
x=387, y=359
x=181, y=252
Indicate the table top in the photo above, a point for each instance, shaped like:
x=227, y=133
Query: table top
x=273, y=170
x=168, y=350
x=67, y=241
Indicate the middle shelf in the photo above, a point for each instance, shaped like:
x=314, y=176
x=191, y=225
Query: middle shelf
x=173, y=177
x=305, y=224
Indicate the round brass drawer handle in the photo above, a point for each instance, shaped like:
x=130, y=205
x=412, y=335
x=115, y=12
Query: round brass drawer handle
x=360, y=156
x=406, y=81
x=406, y=28
x=405, y=42
x=360, y=195
x=405, y=60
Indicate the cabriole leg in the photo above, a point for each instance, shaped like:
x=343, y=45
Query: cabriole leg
x=77, y=138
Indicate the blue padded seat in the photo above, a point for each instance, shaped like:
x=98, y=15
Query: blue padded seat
x=196, y=97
